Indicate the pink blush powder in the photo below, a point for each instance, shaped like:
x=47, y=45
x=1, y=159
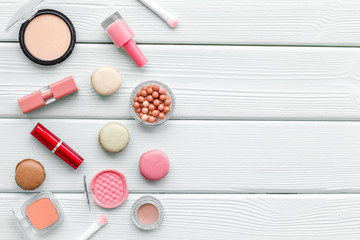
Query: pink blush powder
x=148, y=213
x=42, y=213
x=109, y=188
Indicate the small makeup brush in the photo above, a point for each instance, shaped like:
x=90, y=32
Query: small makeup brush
x=100, y=222
x=170, y=19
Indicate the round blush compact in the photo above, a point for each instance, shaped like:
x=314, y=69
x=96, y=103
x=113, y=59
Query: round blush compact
x=108, y=189
x=47, y=37
x=147, y=213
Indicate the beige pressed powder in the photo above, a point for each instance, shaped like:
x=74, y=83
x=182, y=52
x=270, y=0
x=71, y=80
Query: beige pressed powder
x=47, y=37
x=147, y=213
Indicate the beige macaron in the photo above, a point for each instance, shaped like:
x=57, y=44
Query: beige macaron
x=114, y=137
x=106, y=80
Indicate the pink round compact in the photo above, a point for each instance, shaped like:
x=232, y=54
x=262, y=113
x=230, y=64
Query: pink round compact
x=109, y=188
x=154, y=165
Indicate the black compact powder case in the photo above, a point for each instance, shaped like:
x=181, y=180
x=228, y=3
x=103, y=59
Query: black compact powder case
x=45, y=62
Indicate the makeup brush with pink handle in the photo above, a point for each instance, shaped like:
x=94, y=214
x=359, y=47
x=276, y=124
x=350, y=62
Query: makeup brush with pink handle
x=100, y=222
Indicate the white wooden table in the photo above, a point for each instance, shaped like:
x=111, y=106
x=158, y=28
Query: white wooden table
x=268, y=103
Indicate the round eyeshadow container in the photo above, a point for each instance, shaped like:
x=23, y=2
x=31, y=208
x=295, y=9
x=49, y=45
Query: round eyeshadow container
x=136, y=115
x=48, y=37
x=109, y=189
x=147, y=213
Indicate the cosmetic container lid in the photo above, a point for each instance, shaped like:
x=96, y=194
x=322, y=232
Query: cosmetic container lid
x=63, y=87
x=22, y=225
x=111, y=19
x=31, y=102
x=27, y=228
x=24, y=13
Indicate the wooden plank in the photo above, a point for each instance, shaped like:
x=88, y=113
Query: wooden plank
x=191, y=216
x=205, y=156
x=278, y=83
x=308, y=22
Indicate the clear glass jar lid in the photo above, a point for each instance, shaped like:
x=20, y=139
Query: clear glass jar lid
x=24, y=13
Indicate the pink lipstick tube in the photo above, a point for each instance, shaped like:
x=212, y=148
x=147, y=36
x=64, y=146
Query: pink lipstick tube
x=121, y=34
x=47, y=95
x=57, y=146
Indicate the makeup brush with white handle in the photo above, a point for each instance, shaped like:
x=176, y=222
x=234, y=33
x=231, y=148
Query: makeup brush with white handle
x=170, y=19
x=100, y=222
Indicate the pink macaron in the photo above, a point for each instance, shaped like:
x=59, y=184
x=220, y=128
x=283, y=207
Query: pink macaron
x=154, y=165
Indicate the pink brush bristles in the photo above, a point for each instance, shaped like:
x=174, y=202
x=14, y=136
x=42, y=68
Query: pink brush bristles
x=102, y=220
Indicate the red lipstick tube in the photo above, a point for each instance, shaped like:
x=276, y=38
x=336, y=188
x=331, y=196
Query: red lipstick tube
x=57, y=146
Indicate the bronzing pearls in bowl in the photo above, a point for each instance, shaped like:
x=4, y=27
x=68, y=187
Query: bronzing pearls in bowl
x=46, y=37
x=152, y=103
